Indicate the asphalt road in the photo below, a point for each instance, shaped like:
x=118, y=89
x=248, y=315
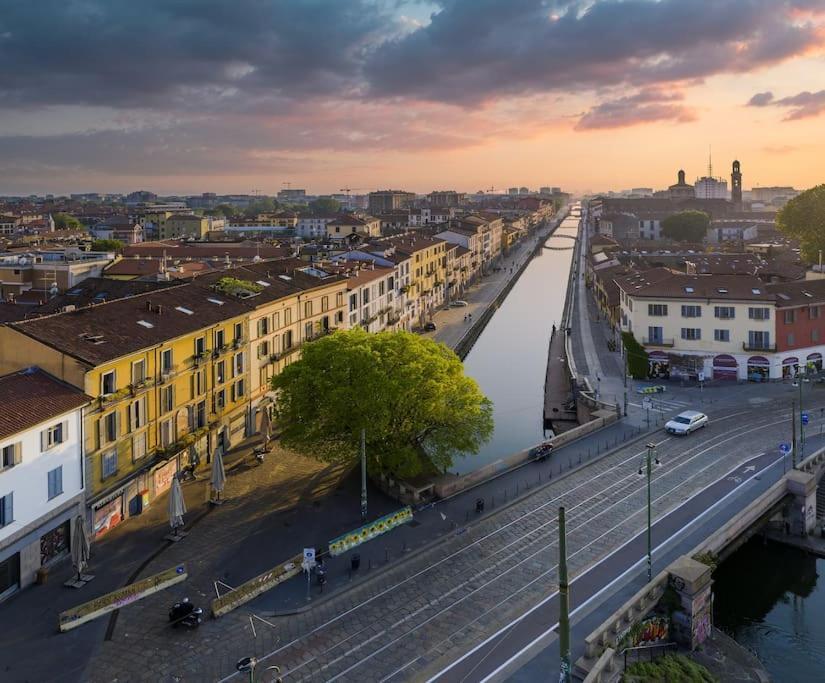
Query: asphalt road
x=424, y=620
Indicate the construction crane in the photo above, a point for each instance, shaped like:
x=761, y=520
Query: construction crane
x=491, y=189
x=288, y=185
x=350, y=189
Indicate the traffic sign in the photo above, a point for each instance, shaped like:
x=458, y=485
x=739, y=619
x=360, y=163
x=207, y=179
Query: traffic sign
x=805, y=418
x=701, y=375
x=309, y=559
x=647, y=403
x=785, y=448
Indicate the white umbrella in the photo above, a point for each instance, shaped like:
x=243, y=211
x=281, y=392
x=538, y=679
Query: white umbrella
x=177, y=505
x=218, y=472
x=79, y=545
x=266, y=425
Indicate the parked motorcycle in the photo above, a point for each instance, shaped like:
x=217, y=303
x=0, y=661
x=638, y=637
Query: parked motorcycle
x=184, y=613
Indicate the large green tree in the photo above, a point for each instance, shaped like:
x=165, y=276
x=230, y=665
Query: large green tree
x=325, y=206
x=65, y=221
x=803, y=219
x=686, y=226
x=408, y=393
x=108, y=245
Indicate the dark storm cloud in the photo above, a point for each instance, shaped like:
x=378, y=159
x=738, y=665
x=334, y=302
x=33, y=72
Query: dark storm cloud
x=181, y=53
x=646, y=106
x=476, y=49
x=803, y=105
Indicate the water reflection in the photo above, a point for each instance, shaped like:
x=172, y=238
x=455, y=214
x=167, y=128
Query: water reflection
x=768, y=598
x=510, y=358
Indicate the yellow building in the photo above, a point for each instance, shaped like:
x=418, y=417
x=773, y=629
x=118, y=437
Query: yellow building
x=168, y=370
x=428, y=270
x=184, y=225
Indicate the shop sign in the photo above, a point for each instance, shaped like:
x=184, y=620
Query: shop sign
x=108, y=516
x=369, y=531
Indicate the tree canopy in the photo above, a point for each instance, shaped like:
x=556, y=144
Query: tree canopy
x=803, y=219
x=108, y=245
x=686, y=226
x=262, y=205
x=408, y=393
x=225, y=210
x=65, y=221
x=325, y=206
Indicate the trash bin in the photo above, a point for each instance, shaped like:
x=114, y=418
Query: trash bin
x=480, y=505
x=355, y=562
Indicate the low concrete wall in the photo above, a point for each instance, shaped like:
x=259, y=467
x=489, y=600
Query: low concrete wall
x=449, y=485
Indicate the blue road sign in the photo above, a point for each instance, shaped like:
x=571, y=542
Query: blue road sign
x=785, y=448
x=805, y=418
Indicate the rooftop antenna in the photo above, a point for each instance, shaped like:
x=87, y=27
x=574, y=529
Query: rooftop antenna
x=710, y=163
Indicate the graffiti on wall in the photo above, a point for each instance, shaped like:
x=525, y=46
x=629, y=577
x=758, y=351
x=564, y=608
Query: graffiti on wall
x=646, y=632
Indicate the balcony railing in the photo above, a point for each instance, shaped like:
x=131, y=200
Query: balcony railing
x=758, y=346
x=658, y=341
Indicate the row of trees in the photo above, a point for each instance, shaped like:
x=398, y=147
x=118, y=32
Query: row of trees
x=323, y=206
x=803, y=219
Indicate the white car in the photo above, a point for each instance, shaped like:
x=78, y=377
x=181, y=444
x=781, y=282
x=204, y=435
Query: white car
x=458, y=304
x=686, y=422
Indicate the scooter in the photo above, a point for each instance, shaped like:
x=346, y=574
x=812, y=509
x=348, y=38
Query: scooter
x=184, y=613
x=260, y=453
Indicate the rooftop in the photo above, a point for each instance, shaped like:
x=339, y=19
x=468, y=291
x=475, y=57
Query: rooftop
x=32, y=396
x=661, y=283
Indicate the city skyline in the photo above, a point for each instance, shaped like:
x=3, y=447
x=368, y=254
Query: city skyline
x=584, y=95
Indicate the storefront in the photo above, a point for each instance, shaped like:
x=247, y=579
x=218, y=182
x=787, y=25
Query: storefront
x=9, y=575
x=725, y=367
x=814, y=362
x=759, y=369
x=107, y=514
x=790, y=366
x=659, y=364
x=54, y=544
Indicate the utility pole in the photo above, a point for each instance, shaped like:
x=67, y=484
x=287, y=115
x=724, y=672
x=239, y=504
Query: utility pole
x=649, y=460
x=624, y=353
x=793, y=428
x=363, y=475
x=564, y=604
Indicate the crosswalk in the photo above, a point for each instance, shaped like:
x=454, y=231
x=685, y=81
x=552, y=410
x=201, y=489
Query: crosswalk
x=663, y=405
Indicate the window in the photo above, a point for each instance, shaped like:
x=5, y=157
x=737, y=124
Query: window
x=55, y=482
x=238, y=364
x=790, y=317
x=139, y=372
x=365, y=295
x=220, y=372
x=107, y=383
x=725, y=312
x=166, y=360
x=657, y=309
x=813, y=312
x=11, y=455
x=263, y=327
x=238, y=332
x=109, y=426
x=324, y=303
x=353, y=302
x=287, y=340
x=814, y=335
x=288, y=316
x=7, y=509
x=138, y=446
x=276, y=321
x=691, y=312
x=691, y=333
x=137, y=414
x=200, y=415
x=238, y=390
x=759, y=340
x=759, y=313
x=54, y=435
x=220, y=342
x=167, y=399
x=200, y=346
x=308, y=309
x=381, y=289
x=108, y=464
x=220, y=400
x=791, y=339
x=655, y=335
x=167, y=433
x=308, y=331
x=721, y=335
x=339, y=299
x=263, y=349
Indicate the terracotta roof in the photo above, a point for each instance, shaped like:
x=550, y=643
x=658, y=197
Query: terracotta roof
x=32, y=396
x=365, y=275
x=661, y=283
x=793, y=294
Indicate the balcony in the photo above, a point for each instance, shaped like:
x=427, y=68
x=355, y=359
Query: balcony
x=658, y=341
x=748, y=346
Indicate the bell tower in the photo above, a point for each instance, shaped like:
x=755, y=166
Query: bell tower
x=736, y=185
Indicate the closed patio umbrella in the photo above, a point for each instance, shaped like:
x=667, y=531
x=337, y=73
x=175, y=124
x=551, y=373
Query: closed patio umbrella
x=266, y=425
x=79, y=546
x=177, y=506
x=218, y=472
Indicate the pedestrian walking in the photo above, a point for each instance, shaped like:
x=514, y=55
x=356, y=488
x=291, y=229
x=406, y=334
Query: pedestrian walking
x=465, y=317
x=470, y=316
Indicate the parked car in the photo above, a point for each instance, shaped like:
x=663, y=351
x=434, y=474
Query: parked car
x=541, y=452
x=429, y=327
x=458, y=303
x=686, y=422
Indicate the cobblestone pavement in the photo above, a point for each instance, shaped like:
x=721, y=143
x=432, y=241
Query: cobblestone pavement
x=444, y=597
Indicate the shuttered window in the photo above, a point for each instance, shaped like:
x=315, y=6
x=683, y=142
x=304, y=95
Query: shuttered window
x=55, y=482
x=7, y=509
x=12, y=455
x=54, y=435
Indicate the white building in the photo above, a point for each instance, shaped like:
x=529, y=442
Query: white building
x=716, y=324
x=41, y=473
x=711, y=188
x=372, y=299
x=313, y=227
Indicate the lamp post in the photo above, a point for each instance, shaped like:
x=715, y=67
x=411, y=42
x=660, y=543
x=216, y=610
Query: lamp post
x=650, y=461
x=798, y=381
x=564, y=604
x=363, y=475
x=624, y=353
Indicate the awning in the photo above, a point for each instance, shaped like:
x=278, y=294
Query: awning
x=791, y=361
x=759, y=361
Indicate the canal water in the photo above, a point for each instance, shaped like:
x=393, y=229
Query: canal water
x=509, y=359
x=771, y=599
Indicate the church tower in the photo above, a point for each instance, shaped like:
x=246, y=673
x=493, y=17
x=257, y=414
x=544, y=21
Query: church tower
x=736, y=185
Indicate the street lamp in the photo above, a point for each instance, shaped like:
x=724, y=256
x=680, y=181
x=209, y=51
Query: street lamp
x=799, y=378
x=647, y=468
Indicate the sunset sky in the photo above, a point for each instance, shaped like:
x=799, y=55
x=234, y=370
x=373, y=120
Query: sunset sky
x=183, y=96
